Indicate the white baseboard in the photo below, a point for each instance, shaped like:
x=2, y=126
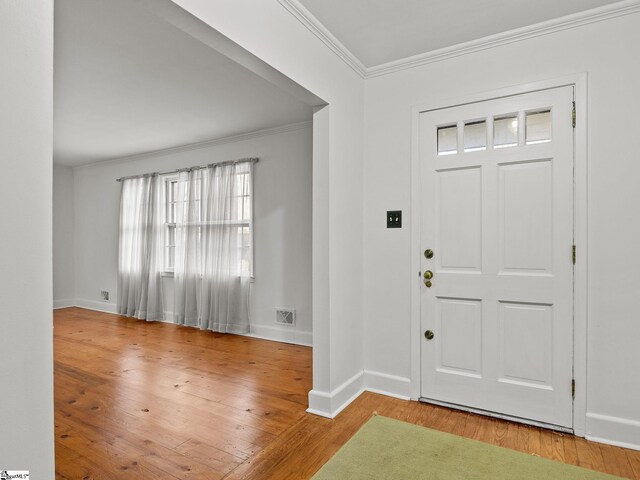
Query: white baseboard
x=63, y=304
x=282, y=334
x=257, y=331
x=330, y=404
x=621, y=432
x=98, y=306
x=390, y=385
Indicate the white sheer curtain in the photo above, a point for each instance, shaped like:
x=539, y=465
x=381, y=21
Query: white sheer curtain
x=213, y=247
x=140, y=248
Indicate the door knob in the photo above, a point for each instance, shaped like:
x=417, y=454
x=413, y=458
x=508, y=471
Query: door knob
x=428, y=334
x=428, y=275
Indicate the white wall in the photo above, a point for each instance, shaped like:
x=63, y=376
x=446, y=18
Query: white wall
x=608, y=52
x=26, y=368
x=271, y=33
x=63, y=224
x=282, y=203
x=358, y=295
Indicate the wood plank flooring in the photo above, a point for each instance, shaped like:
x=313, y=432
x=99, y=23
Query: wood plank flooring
x=141, y=400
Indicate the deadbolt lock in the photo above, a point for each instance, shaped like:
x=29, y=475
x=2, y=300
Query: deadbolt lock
x=428, y=253
x=428, y=335
x=428, y=275
x=428, y=283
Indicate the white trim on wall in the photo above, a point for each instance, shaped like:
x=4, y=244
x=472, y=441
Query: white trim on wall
x=96, y=305
x=606, y=12
x=291, y=127
x=304, y=16
x=281, y=334
x=579, y=81
x=262, y=332
x=621, y=432
x=599, y=14
x=331, y=404
x=57, y=304
x=580, y=270
x=389, y=385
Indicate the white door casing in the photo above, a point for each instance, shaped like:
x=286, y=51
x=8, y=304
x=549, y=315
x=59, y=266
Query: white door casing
x=500, y=223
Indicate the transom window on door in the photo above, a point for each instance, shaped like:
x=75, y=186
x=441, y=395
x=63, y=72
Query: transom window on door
x=499, y=131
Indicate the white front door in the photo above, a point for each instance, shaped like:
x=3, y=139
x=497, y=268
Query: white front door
x=497, y=215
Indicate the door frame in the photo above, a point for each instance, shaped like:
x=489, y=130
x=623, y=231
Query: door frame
x=579, y=82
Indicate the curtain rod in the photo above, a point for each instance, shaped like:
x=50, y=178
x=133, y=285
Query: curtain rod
x=188, y=169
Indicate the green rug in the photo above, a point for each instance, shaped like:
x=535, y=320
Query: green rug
x=390, y=449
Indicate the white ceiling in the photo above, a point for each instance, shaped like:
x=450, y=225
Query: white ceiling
x=128, y=82
x=381, y=31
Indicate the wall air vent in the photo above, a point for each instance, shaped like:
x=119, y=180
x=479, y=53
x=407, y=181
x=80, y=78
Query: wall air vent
x=286, y=316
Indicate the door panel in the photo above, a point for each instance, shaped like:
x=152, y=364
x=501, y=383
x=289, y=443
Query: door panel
x=460, y=324
x=459, y=219
x=525, y=217
x=525, y=337
x=497, y=210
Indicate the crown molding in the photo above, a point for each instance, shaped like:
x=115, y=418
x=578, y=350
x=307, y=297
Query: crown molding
x=291, y=127
x=599, y=14
x=304, y=16
x=606, y=12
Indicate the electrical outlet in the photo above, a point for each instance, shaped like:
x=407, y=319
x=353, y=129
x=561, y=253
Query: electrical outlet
x=105, y=295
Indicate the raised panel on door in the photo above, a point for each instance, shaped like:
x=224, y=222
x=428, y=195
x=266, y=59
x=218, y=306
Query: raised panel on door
x=526, y=338
x=459, y=341
x=459, y=219
x=525, y=217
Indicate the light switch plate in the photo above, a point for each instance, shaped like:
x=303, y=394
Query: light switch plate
x=394, y=219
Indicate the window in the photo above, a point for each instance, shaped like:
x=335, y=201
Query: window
x=170, y=195
x=475, y=136
x=505, y=131
x=448, y=140
x=244, y=220
x=538, y=127
x=501, y=131
x=207, y=217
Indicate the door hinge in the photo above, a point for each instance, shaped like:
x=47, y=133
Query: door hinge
x=573, y=254
x=573, y=115
x=573, y=388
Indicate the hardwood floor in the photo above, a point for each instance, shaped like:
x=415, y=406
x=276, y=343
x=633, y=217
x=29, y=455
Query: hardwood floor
x=141, y=400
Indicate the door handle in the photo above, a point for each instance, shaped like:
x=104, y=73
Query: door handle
x=428, y=275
